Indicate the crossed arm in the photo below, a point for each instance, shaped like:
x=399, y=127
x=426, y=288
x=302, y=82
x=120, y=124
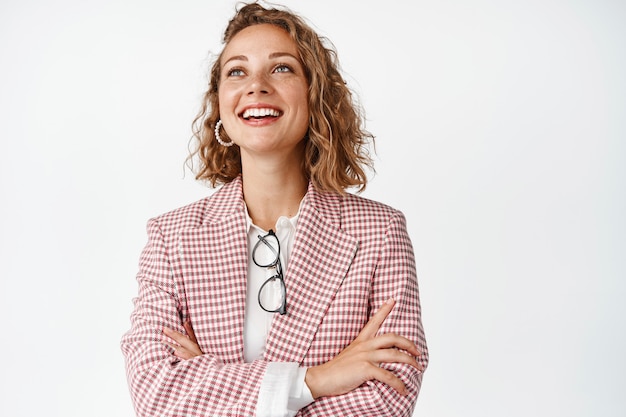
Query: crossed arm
x=356, y=364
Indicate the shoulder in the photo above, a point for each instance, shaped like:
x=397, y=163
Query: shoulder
x=190, y=215
x=363, y=213
x=214, y=208
x=348, y=203
x=354, y=213
x=359, y=204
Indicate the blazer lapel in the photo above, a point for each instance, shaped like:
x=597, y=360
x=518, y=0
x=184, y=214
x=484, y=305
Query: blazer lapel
x=214, y=259
x=318, y=263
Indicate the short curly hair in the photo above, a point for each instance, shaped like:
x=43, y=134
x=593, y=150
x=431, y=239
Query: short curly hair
x=337, y=144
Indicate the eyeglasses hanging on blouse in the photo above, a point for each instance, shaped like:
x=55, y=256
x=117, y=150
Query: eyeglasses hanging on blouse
x=273, y=293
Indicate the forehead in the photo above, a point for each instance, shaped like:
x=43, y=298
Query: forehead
x=260, y=39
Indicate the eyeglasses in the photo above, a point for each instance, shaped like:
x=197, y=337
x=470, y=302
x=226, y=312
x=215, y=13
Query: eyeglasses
x=273, y=293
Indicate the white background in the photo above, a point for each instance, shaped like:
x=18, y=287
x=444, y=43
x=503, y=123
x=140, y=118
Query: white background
x=500, y=133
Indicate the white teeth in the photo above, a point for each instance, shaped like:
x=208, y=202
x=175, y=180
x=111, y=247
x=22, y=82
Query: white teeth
x=260, y=113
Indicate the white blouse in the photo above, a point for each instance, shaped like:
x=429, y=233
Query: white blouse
x=283, y=390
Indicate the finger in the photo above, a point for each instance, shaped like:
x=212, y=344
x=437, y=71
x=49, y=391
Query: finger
x=389, y=340
x=372, y=326
x=394, y=356
x=184, y=341
x=180, y=351
x=190, y=332
x=190, y=345
x=173, y=334
x=389, y=378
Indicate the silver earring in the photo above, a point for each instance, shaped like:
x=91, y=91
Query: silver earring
x=217, y=135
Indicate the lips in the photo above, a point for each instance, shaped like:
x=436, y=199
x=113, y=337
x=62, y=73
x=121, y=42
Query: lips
x=260, y=113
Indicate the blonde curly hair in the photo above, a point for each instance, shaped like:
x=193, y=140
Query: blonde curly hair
x=336, y=150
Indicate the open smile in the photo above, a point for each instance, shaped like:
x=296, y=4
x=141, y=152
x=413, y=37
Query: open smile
x=260, y=113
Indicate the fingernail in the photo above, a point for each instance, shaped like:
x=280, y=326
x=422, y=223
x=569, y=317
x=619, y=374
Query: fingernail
x=390, y=301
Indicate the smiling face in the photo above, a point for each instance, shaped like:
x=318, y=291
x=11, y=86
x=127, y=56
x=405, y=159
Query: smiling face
x=263, y=92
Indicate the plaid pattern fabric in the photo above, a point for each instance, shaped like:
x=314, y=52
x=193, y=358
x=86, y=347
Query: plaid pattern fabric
x=349, y=256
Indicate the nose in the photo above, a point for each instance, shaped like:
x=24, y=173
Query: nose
x=259, y=84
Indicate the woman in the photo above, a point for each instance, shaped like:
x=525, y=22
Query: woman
x=280, y=294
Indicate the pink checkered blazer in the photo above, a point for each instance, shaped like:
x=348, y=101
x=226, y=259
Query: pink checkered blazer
x=349, y=256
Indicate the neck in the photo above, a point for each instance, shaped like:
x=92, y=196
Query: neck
x=272, y=193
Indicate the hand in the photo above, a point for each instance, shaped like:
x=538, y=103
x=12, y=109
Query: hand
x=359, y=362
x=186, y=346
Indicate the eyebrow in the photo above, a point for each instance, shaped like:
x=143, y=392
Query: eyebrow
x=273, y=55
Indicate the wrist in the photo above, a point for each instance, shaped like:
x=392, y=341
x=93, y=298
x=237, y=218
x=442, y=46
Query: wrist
x=311, y=380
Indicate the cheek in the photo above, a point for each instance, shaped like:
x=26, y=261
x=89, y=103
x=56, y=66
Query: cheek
x=226, y=100
x=299, y=96
x=222, y=102
x=303, y=110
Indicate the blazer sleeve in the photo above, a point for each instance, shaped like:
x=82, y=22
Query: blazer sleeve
x=395, y=276
x=162, y=384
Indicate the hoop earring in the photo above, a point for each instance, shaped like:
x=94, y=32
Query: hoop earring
x=218, y=137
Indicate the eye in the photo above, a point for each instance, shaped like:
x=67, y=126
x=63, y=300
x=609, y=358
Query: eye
x=283, y=68
x=235, y=72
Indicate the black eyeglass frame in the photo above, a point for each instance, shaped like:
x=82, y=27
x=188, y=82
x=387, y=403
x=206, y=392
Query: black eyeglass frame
x=282, y=309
